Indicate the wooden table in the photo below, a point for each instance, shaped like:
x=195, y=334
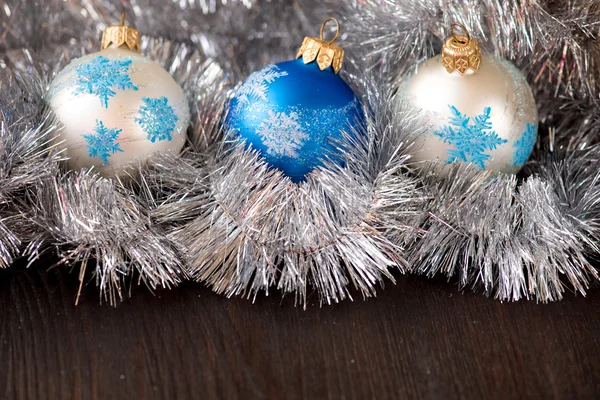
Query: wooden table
x=417, y=339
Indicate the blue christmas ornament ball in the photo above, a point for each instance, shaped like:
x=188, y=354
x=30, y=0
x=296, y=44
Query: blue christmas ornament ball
x=294, y=114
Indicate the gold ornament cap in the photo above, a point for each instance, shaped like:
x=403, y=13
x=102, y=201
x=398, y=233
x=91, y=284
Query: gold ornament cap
x=461, y=52
x=324, y=52
x=121, y=35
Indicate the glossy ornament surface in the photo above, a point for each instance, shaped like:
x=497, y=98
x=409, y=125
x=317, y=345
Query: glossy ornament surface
x=293, y=112
x=484, y=113
x=117, y=107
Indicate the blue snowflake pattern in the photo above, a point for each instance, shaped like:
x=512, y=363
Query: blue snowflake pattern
x=524, y=146
x=157, y=118
x=102, y=76
x=470, y=139
x=102, y=143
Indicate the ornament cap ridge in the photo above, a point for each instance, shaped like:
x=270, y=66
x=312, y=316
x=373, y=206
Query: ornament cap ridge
x=461, y=52
x=121, y=35
x=324, y=52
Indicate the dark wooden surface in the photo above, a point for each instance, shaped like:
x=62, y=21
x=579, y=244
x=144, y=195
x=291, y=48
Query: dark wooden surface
x=417, y=339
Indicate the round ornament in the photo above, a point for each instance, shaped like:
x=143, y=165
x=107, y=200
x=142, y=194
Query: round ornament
x=476, y=108
x=117, y=107
x=293, y=113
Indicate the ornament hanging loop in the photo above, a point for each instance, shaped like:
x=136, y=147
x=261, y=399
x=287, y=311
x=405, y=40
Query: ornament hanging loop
x=122, y=17
x=461, y=52
x=463, y=39
x=337, y=32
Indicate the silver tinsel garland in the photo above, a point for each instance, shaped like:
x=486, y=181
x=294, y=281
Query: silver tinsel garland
x=26, y=148
x=257, y=229
x=217, y=214
x=528, y=237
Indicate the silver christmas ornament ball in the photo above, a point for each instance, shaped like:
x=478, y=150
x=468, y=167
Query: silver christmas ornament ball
x=117, y=107
x=474, y=108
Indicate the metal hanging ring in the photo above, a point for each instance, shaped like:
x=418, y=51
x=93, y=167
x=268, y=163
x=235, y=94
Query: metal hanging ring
x=457, y=37
x=337, y=33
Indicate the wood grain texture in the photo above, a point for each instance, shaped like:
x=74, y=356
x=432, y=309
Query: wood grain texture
x=417, y=339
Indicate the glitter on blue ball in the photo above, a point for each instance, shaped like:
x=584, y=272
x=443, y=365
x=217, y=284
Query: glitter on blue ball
x=294, y=114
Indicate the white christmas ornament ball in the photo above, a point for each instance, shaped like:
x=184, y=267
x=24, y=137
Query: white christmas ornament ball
x=487, y=117
x=116, y=108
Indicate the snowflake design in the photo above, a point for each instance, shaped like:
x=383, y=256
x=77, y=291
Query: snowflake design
x=470, y=139
x=524, y=145
x=157, y=118
x=102, y=76
x=282, y=134
x=102, y=144
x=256, y=84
